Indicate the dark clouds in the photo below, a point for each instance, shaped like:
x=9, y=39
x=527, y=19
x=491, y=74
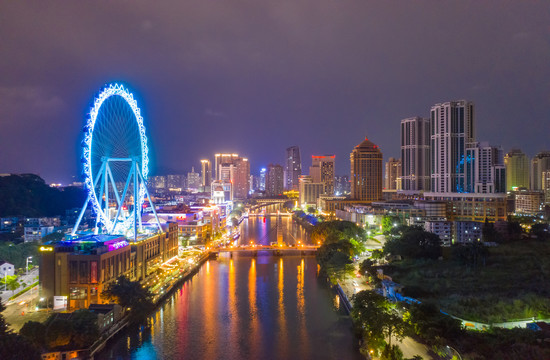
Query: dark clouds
x=255, y=77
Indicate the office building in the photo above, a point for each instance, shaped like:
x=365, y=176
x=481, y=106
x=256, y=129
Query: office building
x=452, y=127
x=342, y=185
x=274, y=180
x=366, y=172
x=293, y=168
x=415, y=154
x=392, y=175
x=540, y=163
x=222, y=159
x=528, y=202
x=263, y=172
x=517, y=170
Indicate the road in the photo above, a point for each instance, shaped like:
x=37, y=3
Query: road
x=22, y=309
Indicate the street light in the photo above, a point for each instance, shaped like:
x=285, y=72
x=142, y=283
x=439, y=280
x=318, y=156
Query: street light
x=29, y=259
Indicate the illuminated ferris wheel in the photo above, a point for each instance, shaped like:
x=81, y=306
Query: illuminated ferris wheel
x=115, y=158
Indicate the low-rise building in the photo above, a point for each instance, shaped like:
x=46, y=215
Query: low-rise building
x=442, y=228
x=6, y=269
x=528, y=202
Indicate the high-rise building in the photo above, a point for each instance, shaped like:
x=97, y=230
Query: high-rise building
x=193, y=180
x=484, y=169
x=415, y=154
x=392, y=175
x=222, y=159
x=366, y=172
x=236, y=169
x=517, y=170
x=206, y=174
x=452, y=127
x=293, y=168
x=262, y=179
x=274, y=180
x=322, y=171
x=241, y=179
x=540, y=163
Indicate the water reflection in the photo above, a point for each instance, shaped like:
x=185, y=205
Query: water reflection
x=246, y=307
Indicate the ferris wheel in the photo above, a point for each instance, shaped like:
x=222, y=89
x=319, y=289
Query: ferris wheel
x=115, y=159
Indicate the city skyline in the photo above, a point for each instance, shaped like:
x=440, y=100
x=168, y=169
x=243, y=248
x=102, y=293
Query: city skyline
x=336, y=75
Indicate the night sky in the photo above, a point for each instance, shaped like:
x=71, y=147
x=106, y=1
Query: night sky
x=257, y=76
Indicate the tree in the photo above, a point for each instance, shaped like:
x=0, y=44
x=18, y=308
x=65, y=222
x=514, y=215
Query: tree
x=377, y=317
x=58, y=333
x=471, y=254
x=429, y=323
x=377, y=255
x=85, y=322
x=488, y=232
x=541, y=231
x=414, y=243
x=391, y=352
x=311, y=210
x=130, y=294
x=34, y=331
x=389, y=222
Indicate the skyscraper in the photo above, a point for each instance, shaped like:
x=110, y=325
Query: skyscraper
x=539, y=164
x=206, y=174
x=236, y=169
x=392, y=175
x=517, y=170
x=263, y=172
x=293, y=168
x=415, y=154
x=274, y=180
x=484, y=169
x=452, y=127
x=322, y=171
x=222, y=159
x=241, y=180
x=366, y=172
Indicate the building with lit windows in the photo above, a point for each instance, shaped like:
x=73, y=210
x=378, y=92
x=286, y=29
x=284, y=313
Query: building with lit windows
x=193, y=180
x=235, y=169
x=452, y=127
x=80, y=269
x=322, y=171
x=484, y=170
x=293, y=168
x=528, y=202
x=274, y=180
x=206, y=174
x=517, y=170
x=392, y=175
x=366, y=172
x=415, y=154
x=309, y=191
x=540, y=163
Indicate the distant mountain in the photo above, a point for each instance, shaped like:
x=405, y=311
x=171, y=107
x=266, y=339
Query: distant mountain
x=29, y=195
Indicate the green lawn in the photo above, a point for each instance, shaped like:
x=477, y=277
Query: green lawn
x=514, y=284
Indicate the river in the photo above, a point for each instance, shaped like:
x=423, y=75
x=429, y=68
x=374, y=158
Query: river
x=245, y=307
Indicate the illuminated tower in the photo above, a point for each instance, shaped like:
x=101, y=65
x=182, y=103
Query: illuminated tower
x=366, y=172
x=392, y=175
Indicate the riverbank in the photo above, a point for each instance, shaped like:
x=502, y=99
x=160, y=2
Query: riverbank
x=123, y=323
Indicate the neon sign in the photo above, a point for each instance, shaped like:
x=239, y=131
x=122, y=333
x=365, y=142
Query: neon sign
x=117, y=245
